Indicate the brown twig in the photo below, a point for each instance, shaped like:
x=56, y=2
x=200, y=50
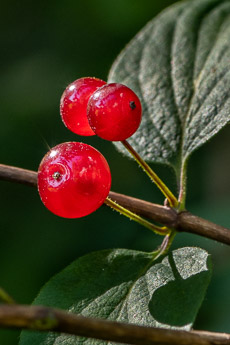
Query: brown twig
x=183, y=221
x=49, y=319
x=13, y=174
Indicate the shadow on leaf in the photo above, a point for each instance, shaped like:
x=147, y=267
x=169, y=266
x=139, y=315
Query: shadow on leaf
x=177, y=302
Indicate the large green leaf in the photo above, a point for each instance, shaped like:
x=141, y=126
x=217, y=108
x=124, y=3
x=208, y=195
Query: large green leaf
x=126, y=285
x=179, y=65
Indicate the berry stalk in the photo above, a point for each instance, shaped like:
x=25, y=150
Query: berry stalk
x=165, y=245
x=133, y=216
x=183, y=180
x=173, y=202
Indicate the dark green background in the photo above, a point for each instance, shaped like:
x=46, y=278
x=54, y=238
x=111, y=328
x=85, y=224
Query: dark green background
x=45, y=46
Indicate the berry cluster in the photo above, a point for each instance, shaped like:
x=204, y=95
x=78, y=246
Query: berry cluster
x=74, y=179
x=90, y=106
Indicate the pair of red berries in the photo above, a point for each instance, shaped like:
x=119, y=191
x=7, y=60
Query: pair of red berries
x=74, y=179
x=90, y=106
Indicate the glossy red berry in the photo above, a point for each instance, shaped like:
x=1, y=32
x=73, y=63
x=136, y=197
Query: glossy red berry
x=73, y=105
x=74, y=179
x=114, y=112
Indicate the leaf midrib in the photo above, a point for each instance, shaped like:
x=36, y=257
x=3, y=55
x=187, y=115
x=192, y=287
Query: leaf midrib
x=140, y=274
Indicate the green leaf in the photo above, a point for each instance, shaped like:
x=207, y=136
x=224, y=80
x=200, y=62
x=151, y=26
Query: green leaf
x=179, y=65
x=128, y=286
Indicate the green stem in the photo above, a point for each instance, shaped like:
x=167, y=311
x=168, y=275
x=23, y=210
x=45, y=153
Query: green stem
x=5, y=297
x=183, y=181
x=165, y=245
x=133, y=216
x=173, y=202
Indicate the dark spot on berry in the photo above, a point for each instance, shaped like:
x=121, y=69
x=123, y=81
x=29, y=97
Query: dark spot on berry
x=132, y=105
x=56, y=175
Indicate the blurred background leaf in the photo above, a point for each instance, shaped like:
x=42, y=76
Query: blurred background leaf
x=45, y=46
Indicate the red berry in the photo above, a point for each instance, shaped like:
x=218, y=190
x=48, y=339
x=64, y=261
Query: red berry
x=74, y=179
x=73, y=105
x=114, y=112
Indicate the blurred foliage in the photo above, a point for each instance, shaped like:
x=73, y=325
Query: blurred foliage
x=45, y=46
